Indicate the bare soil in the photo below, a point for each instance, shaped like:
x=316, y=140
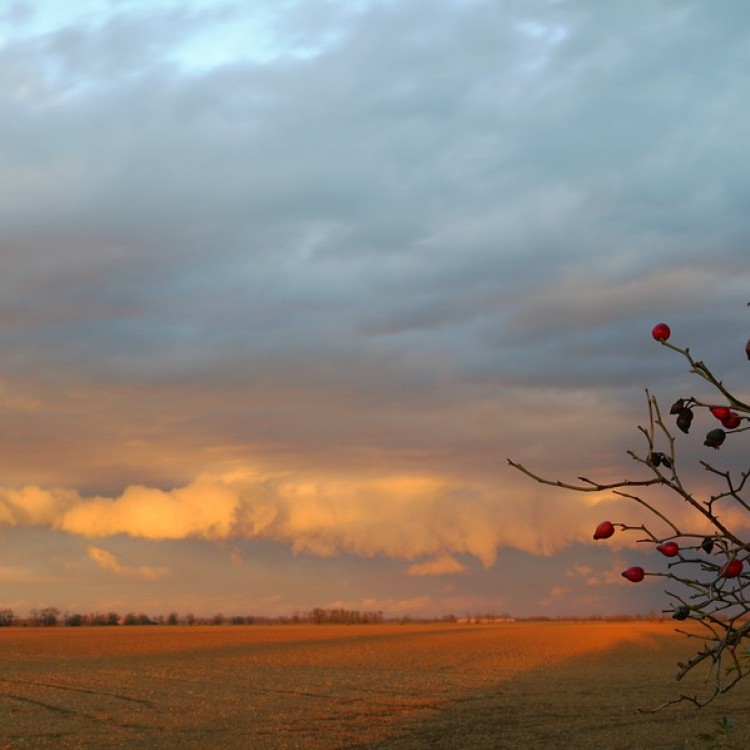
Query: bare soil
x=509, y=685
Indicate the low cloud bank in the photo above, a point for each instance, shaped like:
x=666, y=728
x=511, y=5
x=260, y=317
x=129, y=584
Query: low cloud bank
x=427, y=520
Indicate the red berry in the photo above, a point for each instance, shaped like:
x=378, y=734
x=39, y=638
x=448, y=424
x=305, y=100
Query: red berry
x=731, y=569
x=604, y=530
x=731, y=420
x=634, y=574
x=661, y=332
x=669, y=549
x=720, y=412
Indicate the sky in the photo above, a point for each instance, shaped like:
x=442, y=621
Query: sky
x=283, y=284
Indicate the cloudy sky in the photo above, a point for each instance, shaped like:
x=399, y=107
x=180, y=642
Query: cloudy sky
x=284, y=283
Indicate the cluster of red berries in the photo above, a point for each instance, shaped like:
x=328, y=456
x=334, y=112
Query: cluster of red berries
x=683, y=408
x=730, y=569
x=729, y=419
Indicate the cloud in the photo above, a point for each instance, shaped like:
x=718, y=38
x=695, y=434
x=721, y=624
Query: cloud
x=33, y=506
x=444, y=565
x=586, y=572
x=107, y=561
x=203, y=509
x=366, y=250
x=588, y=303
x=556, y=594
x=368, y=513
x=399, y=516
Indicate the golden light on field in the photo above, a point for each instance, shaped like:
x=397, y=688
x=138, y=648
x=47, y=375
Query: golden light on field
x=276, y=688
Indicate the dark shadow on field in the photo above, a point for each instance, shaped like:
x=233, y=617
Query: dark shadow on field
x=588, y=702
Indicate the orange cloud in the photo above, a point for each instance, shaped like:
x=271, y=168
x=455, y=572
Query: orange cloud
x=34, y=506
x=445, y=564
x=203, y=508
x=107, y=561
x=426, y=518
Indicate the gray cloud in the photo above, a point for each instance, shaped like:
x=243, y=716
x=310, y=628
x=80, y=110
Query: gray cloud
x=369, y=238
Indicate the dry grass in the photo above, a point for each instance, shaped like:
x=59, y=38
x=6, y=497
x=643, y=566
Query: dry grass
x=514, y=685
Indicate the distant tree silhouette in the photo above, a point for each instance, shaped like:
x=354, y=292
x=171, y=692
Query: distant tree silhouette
x=320, y=616
x=46, y=617
x=137, y=619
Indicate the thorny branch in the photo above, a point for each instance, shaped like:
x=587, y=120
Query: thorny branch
x=711, y=567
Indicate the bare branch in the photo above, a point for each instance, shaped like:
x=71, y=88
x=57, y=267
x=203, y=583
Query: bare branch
x=589, y=486
x=709, y=567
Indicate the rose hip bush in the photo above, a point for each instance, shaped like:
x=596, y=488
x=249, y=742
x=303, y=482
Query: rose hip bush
x=706, y=565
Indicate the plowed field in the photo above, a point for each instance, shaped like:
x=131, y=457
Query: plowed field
x=510, y=685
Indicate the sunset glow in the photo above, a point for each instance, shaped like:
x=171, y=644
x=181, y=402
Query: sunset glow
x=284, y=284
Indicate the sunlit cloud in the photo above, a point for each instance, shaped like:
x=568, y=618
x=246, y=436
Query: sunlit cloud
x=33, y=506
x=444, y=565
x=107, y=561
x=405, y=517
x=203, y=509
x=401, y=517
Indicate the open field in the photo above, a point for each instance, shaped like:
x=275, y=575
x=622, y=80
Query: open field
x=509, y=685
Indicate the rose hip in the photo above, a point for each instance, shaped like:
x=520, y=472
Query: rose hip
x=732, y=420
x=669, y=549
x=731, y=569
x=661, y=332
x=634, y=574
x=604, y=530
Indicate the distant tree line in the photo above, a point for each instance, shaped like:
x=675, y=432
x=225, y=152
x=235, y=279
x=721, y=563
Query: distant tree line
x=343, y=617
x=52, y=616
